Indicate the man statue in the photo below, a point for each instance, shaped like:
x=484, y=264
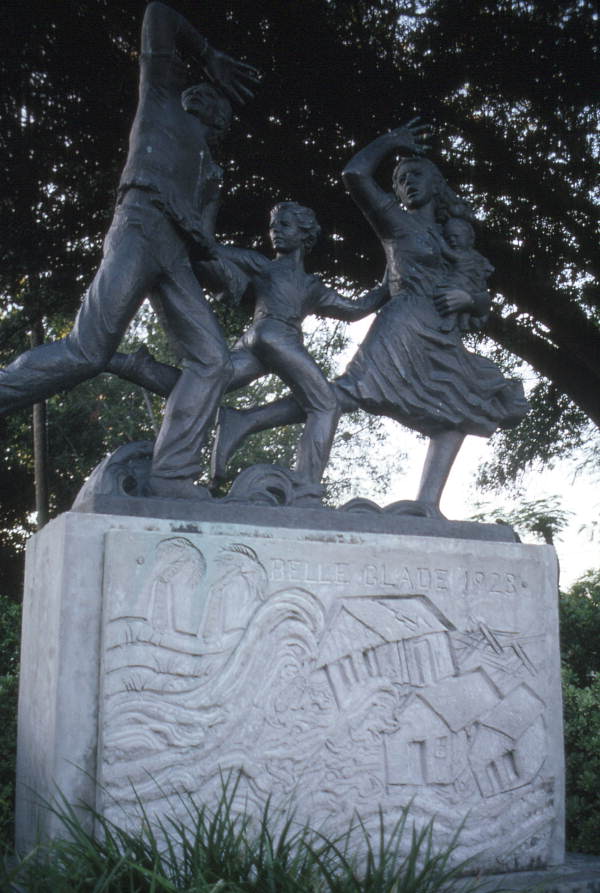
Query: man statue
x=164, y=206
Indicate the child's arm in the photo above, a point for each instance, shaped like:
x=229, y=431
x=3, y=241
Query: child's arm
x=331, y=303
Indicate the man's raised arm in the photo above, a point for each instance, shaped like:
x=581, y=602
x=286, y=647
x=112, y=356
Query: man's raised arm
x=164, y=29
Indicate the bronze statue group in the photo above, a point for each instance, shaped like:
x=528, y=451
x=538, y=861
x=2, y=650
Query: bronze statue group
x=412, y=365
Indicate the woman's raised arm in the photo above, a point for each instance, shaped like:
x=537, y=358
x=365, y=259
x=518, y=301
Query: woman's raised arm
x=358, y=175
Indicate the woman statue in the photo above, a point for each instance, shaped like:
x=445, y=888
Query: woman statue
x=412, y=365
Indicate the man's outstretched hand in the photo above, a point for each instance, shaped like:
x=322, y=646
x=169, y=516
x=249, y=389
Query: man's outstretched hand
x=232, y=76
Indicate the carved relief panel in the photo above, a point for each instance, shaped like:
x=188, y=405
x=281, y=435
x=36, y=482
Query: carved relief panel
x=358, y=674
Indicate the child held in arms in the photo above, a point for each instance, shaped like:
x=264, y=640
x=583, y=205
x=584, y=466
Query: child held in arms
x=469, y=271
x=284, y=294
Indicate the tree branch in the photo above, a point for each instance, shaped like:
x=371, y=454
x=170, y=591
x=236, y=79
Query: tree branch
x=557, y=364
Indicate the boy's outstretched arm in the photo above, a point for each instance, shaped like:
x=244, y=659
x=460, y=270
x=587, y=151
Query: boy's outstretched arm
x=331, y=303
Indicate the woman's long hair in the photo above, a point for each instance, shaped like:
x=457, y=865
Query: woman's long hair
x=447, y=202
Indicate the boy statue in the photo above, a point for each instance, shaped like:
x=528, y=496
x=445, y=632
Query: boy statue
x=283, y=294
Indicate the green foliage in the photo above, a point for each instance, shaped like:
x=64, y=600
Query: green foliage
x=10, y=633
x=363, y=459
x=580, y=638
x=83, y=426
x=543, y=518
x=582, y=744
x=9, y=688
x=221, y=852
x=10, y=624
x=553, y=429
x=580, y=629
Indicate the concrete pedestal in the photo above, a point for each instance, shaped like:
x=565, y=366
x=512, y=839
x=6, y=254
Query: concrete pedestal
x=339, y=672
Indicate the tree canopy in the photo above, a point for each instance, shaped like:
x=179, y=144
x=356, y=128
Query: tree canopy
x=509, y=87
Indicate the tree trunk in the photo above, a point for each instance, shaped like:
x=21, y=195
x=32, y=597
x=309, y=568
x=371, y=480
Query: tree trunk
x=40, y=446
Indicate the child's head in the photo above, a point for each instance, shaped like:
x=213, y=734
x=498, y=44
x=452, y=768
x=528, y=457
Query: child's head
x=303, y=218
x=459, y=233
